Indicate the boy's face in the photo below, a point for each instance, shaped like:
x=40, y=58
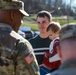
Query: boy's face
x=52, y=35
x=43, y=23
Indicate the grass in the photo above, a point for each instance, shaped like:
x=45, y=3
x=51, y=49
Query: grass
x=64, y=21
x=33, y=26
x=31, y=21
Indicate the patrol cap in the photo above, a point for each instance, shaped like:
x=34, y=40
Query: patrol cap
x=13, y=4
x=68, y=31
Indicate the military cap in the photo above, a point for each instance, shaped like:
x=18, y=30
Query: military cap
x=13, y=4
x=68, y=31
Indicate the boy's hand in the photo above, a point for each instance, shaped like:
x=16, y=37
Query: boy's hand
x=46, y=55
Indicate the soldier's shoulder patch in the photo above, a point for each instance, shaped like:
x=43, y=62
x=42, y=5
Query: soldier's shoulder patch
x=29, y=58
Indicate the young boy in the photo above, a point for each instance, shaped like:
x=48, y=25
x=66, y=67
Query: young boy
x=51, y=60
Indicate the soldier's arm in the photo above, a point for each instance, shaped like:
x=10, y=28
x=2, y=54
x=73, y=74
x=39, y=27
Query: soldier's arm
x=29, y=58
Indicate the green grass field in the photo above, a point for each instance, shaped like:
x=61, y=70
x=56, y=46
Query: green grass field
x=31, y=21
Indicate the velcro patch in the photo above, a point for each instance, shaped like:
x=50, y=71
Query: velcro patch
x=29, y=58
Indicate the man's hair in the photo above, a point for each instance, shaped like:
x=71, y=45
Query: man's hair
x=68, y=31
x=45, y=14
x=54, y=26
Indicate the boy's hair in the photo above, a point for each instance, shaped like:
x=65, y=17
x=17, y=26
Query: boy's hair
x=45, y=14
x=54, y=26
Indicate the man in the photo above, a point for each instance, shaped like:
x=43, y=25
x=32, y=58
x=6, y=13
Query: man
x=16, y=54
x=67, y=50
x=41, y=42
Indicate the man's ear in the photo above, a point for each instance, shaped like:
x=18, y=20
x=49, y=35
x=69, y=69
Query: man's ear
x=59, y=52
x=50, y=21
x=12, y=15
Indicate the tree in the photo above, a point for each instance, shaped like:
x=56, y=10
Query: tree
x=34, y=6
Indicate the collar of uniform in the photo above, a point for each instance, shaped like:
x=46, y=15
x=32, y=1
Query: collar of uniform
x=69, y=63
x=5, y=25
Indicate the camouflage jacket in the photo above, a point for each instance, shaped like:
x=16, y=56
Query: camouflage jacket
x=16, y=54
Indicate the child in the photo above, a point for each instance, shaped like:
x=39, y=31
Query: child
x=51, y=60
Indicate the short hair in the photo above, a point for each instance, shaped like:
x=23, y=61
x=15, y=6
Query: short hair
x=68, y=31
x=45, y=13
x=54, y=26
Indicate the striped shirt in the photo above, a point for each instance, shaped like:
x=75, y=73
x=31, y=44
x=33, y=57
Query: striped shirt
x=40, y=45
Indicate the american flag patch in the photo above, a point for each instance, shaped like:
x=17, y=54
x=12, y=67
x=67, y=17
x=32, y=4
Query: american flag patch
x=29, y=58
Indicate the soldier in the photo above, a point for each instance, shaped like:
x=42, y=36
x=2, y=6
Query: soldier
x=16, y=54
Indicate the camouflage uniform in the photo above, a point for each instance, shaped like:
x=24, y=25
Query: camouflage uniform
x=16, y=53
x=68, y=67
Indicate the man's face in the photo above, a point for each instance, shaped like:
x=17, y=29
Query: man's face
x=17, y=20
x=43, y=22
